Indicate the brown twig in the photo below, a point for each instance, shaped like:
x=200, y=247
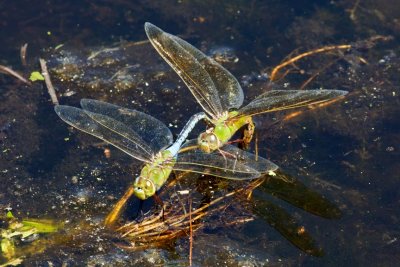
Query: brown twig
x=47, y=79
x=7, y=70
x=191, y=234
x=306, y=54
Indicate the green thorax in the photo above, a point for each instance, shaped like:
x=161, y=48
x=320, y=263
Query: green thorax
x=159, y=170
x=225, y=128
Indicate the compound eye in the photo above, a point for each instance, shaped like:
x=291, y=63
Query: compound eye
x=212, y=138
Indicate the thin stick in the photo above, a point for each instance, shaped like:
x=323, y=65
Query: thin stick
x=49, y=85
x=191, y=234
x=22, y=54
x=316, y=51
x=9, y=71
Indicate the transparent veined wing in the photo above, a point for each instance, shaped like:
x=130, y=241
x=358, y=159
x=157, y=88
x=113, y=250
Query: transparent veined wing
x=258, y=163
x=107, y=129
x=229, y=90
x=236, y=165
x=215, y=165
x=276, y=100
x=188, y=68
x=213, y=86
x=154, y=132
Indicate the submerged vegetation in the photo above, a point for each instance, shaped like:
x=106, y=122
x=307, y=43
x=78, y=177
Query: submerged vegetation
x=20, y=238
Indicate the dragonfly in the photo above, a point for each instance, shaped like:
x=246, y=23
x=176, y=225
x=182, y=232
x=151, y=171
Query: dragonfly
x=149, y=140
x=219, y=93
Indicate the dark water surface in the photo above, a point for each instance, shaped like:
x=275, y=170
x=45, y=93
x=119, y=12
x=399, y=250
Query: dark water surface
x=347, y=152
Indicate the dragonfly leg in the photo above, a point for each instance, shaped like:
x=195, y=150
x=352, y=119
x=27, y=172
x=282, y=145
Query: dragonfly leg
x=226, y=154
x=248, y=134
x=235, y=141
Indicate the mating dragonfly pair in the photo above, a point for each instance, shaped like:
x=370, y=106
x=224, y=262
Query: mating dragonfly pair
x=219, y=94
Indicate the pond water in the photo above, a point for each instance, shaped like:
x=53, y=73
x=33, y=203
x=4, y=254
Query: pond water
x=343, y=156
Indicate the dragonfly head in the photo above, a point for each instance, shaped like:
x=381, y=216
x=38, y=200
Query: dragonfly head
x=143, y=188
x=208, y=142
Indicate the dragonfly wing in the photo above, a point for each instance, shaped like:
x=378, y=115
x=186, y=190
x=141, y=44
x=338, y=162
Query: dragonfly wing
x=258, y=163
x=229, y=90
x=214, y=165
x=152, y=131
x=276, y=100
x=107, y=129
x=186, y=65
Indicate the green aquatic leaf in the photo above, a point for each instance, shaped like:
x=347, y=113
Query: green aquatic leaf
x=36, y=76
x=9, y=215
x=13, y=262
x=17, y=230
x=7, y=248
x=42, y=226
x=24, y=233
x=58, y=46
